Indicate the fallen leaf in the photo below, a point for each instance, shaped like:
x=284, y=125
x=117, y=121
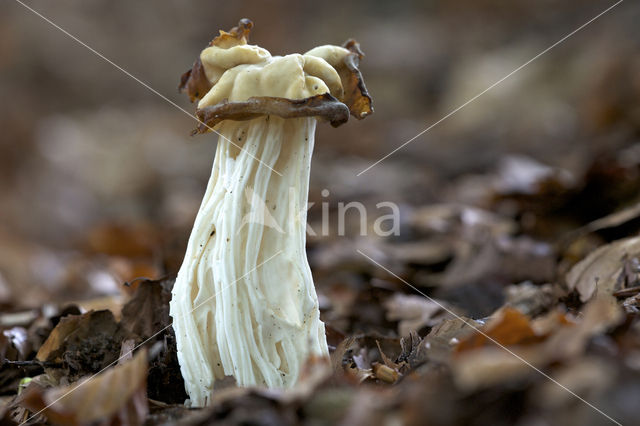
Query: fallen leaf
x=116, y=396
x=509, y=327
x=84, y=343
x=599, y=315
x=387, y=361
x=488, y=364
x=148, y=310
x=146, y=316
x=598, y=273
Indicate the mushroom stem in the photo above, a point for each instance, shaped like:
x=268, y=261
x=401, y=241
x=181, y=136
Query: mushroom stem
x=244, y=303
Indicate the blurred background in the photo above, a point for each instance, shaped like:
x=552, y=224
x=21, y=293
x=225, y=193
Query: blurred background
x=100, y=180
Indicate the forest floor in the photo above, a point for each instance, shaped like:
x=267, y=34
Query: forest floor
x=500, y=313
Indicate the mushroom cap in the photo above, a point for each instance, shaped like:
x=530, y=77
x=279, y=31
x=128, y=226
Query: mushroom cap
x=233, y=80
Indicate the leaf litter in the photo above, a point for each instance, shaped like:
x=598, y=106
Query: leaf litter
x=500, y=292
x=526, y=266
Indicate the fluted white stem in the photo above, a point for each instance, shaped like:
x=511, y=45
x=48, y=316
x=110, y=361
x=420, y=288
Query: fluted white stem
x=244, y=303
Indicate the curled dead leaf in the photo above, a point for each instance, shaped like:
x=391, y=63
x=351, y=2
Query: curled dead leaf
x=600, y=271
x=387, y=361
x=356, y=96
x=116, y=396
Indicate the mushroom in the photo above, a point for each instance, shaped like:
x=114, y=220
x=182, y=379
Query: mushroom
x=244, y=302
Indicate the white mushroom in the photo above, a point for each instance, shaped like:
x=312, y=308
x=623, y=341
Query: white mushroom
x=244, y=302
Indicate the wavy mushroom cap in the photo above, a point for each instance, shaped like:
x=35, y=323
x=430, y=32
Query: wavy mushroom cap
x=292, y=77
x=236, y=81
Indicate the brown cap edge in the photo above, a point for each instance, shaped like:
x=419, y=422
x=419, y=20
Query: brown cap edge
x=356, y=95
x=194, y=82
x=325, y=106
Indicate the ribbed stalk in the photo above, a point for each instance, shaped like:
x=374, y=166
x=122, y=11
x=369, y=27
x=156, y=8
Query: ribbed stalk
x=244, y=303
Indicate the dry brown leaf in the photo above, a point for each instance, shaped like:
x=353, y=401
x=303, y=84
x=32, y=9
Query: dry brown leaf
x=598, y=273
x=488, y=365
x=86, y=343
x=55, y=341
x=148, y=310
x=509, y=327
x=116, y=396
x=569, y=341
x=387, y=361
